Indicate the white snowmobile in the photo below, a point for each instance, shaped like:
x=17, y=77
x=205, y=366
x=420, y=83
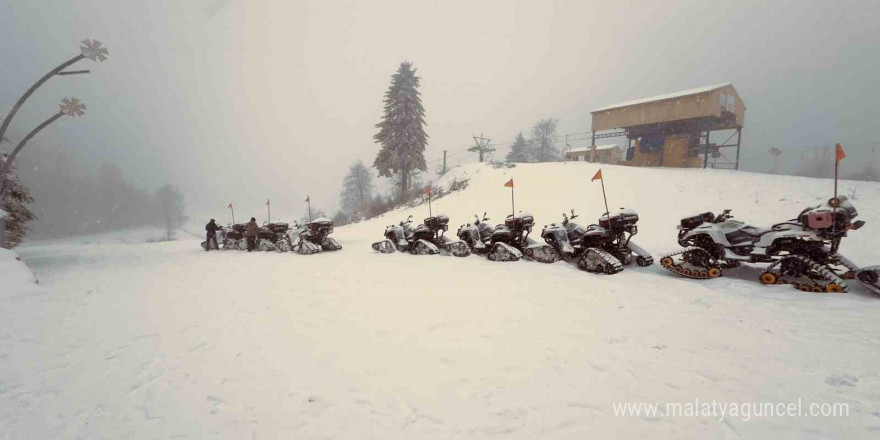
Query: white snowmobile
x=510, y=241
x=603, y=248
x=312, y=238
x=801, y=252
x=478, y=235
x=424, y=239
x=397, y=237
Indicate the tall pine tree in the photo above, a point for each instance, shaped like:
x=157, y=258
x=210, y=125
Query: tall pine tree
x=519, y=151
x=402, y=129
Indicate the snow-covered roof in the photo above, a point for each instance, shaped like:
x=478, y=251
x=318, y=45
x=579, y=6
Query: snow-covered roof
x=587, y=149
x=663, y=97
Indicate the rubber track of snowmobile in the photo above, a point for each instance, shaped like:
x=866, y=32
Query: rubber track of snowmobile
x=606, y=257
x=854, y=271
x=679, y=268
x=828, y=274
x=548, y=248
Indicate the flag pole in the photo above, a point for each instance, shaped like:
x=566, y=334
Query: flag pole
x=269, y=210
x=512, y=205
x=310, y=208
x=233, y=213
x=429, y=201
x=836, y=167
x=603, y=195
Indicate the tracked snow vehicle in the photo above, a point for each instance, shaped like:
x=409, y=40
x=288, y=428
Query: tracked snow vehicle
x=478, y=235
x=314, y=237
x=429, y=239
x=424, y=239
x=234, y=238
x=603, y=248
x=397, y=237
x=510, y=241
x=802, y=252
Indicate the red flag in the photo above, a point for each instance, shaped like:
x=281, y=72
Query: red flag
x=509, y=183
x=307, y=198
x=840, y=154
x=597, y=176
x=230, y=206
x=428, y=190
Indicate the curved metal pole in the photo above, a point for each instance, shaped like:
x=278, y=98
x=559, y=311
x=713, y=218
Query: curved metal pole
x=11, y=157
x=31, y=90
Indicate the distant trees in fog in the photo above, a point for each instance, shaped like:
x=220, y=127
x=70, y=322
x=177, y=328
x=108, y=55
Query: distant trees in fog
x=70, y=199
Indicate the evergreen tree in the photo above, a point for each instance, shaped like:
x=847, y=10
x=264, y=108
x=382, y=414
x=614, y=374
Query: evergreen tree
x=14, y=200
x=544, y=141
x=519, y=151
x=401, y=131
x=357, y=189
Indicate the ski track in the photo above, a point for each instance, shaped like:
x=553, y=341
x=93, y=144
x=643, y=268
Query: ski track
x=166, y=341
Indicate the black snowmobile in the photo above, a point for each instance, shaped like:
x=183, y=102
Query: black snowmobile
x=478, y=235
x=510, y=241
x=603, y=248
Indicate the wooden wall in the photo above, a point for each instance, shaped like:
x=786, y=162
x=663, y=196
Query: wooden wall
x=686, y=107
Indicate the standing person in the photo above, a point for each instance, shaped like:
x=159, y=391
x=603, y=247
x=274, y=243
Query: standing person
x=211, y=233
x=250, y=232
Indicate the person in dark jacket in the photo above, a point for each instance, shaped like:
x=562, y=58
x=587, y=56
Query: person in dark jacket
x=211, y=232
x=250, y=232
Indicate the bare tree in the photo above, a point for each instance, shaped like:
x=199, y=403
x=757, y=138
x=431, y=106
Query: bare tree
x=543, y=141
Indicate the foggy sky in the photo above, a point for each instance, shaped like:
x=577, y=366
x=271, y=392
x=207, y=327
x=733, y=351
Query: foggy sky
x=239, y=101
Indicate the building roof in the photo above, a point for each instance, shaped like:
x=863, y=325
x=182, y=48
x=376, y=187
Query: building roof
x=587, y=149
x=2, y=214
x=663, y=97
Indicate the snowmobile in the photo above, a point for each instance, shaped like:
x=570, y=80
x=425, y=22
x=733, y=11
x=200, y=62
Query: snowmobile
x=265, y=239
x=397, y=237
x=234, y=238
x=428, y=238
x=314, y=237
x=801, y=252
x=603, y=248
x=276, y=234
x=510, y=241
x=478, y=235
x=425, y=239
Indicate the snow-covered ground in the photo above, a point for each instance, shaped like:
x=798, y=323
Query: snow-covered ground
x=164, y=340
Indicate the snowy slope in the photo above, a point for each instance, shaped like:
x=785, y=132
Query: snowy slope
x=164, y=340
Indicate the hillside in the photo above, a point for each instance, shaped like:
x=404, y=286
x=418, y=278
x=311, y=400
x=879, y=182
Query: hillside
x=164, y=340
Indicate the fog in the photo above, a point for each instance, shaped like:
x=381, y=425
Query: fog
x=240, y=101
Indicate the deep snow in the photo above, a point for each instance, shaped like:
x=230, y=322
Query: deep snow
x=164, y=340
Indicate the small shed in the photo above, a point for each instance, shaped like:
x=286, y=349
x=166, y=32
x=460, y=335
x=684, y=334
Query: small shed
x=608, y=153
x=673, y=130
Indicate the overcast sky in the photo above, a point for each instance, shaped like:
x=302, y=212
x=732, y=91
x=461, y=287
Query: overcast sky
x=239, y=101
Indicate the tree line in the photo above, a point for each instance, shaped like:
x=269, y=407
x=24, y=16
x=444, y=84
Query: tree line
x=57, y=196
